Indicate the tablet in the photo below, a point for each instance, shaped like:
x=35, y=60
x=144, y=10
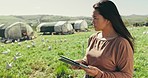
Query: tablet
x=70, y=61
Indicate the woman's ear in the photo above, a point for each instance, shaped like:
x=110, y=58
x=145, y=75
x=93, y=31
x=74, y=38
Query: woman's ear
x=107, y=21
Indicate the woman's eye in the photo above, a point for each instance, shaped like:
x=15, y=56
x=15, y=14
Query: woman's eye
x=94, y=18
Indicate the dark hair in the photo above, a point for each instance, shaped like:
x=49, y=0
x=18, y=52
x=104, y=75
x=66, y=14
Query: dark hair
x=109, y=11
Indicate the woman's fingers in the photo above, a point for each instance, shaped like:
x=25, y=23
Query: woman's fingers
x=92, y=71
x=75, y=67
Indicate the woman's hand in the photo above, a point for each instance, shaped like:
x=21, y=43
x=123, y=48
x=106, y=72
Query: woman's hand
x=92, y=71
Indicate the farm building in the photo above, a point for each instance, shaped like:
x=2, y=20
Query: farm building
x=79, y=25
x=61, y=27
x=2, y=30
x=18, y=30
x=46, y=27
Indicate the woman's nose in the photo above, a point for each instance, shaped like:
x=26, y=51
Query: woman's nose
x=92, y=22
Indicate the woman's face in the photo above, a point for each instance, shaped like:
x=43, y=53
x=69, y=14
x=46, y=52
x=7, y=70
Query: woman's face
x=99, y=21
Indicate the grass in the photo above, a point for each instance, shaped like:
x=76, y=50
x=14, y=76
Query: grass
x=141, y=52
x=40, y=62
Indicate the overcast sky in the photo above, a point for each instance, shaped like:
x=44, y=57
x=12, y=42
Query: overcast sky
x=68, y=7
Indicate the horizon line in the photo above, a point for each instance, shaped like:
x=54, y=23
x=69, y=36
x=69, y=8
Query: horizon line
x=63, y=15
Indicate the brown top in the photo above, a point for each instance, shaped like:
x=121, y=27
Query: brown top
x=114, y=57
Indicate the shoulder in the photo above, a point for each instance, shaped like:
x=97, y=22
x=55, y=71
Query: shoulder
x=123, y=44
x=92, y=37
x=122, y=41
x=124, y=49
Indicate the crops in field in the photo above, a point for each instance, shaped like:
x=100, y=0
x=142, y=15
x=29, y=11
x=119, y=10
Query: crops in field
x=38, y=58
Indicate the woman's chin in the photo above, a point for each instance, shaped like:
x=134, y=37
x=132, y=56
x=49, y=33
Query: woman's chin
x=97, y=29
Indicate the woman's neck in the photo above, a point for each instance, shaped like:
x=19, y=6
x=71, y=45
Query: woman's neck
x=109, y=32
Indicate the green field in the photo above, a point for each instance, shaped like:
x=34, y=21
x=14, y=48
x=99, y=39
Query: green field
x=39, y=57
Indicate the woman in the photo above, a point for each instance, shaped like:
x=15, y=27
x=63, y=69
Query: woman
x=110, y=52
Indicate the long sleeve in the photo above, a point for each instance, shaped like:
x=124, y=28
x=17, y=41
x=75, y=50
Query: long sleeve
x=124, y=63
